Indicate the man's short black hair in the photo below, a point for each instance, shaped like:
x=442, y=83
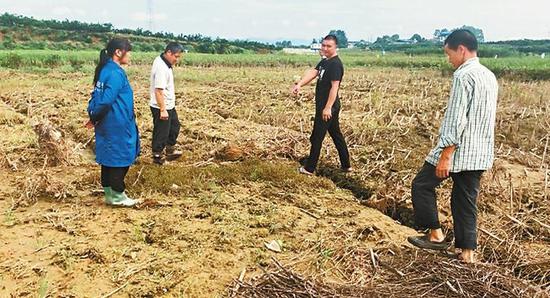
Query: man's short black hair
x=461, y=37
x=331, y=37
x=173, y=47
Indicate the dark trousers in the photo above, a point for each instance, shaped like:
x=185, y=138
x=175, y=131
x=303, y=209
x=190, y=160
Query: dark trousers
x=463, y=203
x=114, y=177
x=320, y=128
x=165, y=132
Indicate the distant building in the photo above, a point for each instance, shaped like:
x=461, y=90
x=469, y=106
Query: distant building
x=315, y=46
x=404, y=41
x=352, y=44
x=300, y=51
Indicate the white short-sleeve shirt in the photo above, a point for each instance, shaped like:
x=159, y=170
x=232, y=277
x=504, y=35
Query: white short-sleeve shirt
x=162, y=77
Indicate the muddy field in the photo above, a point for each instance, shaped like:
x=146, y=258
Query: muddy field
x=203, y=226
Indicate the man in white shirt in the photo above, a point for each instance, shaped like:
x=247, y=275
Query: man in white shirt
x=163, y=105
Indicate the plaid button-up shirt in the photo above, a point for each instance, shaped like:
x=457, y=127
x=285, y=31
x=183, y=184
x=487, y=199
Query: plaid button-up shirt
x=469, y=121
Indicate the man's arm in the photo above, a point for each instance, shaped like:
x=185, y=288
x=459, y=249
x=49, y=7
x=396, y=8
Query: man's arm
x=453, y=125
x=327, y=111
x=159, y=96
x=306, y=79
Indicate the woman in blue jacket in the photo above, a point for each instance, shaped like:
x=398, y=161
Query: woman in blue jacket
x=111, y=111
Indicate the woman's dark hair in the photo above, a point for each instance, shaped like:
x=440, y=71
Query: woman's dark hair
x=114, y=44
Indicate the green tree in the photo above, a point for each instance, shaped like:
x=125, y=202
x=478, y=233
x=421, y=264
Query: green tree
x=62, y=35
x=441, y=33
x=478, y=33
x=383, y=41
x=417, y=38
x=362, y=44
x=283, y=44
x=475, y=31
x=341, y=36
x=8, y=43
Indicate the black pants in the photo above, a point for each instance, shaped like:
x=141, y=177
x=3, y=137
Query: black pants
x=463, y=203
x=114, y=177
x=165, y=132
x=320, y=128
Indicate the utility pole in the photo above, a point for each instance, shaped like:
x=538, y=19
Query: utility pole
x=150, y=14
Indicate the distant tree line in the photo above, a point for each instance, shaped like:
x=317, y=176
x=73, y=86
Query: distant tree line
x=66, y=34
x=193, y=42
x=11, y=20
x=418, y=45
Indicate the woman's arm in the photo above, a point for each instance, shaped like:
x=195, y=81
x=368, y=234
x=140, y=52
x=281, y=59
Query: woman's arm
x=106, y=97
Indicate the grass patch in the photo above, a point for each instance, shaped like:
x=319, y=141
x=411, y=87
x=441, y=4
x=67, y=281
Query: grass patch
x=192, y=181
x=528, y=68
x=43, y=288
x=9, y=116
x=9, y=218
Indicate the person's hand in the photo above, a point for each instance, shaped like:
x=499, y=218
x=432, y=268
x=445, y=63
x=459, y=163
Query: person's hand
x=296, y=89
x=443, y=167
x=163, y=115
x=89, y=124
x=327, y=114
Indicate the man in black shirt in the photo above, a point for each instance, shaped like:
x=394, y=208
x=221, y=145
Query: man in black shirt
x=329, y=73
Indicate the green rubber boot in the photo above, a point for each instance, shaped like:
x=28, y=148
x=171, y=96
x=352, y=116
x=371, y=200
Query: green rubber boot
x=120, y=199
x=108, y=191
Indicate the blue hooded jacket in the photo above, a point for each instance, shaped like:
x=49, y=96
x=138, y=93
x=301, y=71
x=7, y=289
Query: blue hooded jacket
x=111, y=109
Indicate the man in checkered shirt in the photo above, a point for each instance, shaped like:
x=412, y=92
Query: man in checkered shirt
x=463, y=152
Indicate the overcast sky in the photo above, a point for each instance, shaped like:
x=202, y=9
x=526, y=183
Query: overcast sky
x=303, y=20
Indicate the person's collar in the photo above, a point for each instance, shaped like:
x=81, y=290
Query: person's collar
x=468, y=62
x=113, y=61
x=165, y=61
x=471, y=60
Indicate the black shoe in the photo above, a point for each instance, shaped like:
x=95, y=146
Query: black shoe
x=172, y=153
x=158, y=159
x=425, y=242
